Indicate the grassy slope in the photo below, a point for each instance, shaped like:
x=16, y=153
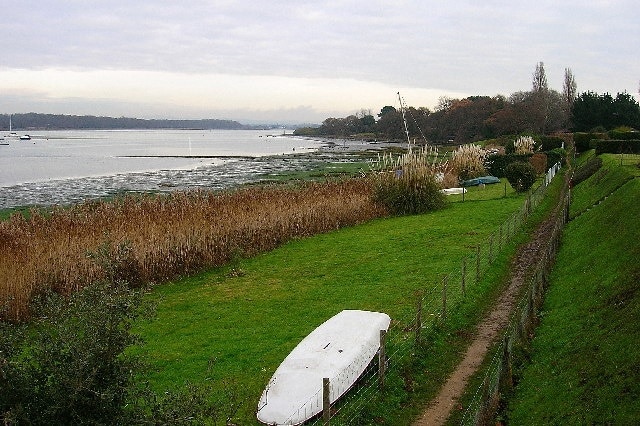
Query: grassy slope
x=248, y=323
x=584, y=364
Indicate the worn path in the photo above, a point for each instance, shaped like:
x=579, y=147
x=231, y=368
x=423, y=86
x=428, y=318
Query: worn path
x=489, y=329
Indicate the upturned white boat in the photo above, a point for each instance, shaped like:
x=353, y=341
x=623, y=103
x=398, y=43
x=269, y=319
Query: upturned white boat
x=340, y=349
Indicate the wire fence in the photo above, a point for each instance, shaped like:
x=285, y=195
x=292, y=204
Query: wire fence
x=629, y=159
x=432, y=308
x=498, y=378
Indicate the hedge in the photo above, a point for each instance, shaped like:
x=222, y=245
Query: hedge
x=623, y=134
x=496, y=164
x=616, y=146
x=551, y=142
x=585, y=171
x=582, y=140
x=557, y=155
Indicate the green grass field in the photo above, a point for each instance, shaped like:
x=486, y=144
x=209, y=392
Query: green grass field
x=584, y=358
x=236, y=324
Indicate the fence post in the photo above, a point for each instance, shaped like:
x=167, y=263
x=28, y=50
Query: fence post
x=478, y=263
x=326, y=402
x=491, y=250
x=464, y=275
x=419, y=321
x=506, y=357
x=382, y=361
x=444, y=297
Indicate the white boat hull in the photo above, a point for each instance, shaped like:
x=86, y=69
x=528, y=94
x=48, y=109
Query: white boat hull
x=339, y=349
x=450, y=191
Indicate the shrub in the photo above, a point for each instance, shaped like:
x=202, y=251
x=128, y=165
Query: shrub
x=539, y=162
x=557, y=155
x=551, y=142
x=408, y=184
x=521, y=176
x=69, y=365
x=413, y=195
x=496, y=164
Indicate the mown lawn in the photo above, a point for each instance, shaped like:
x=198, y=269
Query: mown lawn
x=234, y=325
x=584, y=358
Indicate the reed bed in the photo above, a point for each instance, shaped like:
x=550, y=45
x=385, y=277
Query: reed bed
x=150, y=239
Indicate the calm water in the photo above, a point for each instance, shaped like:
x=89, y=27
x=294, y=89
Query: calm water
x=60, y=167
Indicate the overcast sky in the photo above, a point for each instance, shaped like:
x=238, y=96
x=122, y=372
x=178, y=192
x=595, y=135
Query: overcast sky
x=301, y=61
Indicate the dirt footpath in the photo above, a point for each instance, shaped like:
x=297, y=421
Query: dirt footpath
x=489, y=329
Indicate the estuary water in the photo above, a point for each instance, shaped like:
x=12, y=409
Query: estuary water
x=62, y=167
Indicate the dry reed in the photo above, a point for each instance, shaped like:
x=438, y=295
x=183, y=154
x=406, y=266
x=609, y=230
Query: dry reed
x=468, y=161
x=153, y=239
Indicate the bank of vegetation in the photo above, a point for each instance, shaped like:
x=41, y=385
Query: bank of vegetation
x=150, y=239
x=539, y=111
x=581, y=367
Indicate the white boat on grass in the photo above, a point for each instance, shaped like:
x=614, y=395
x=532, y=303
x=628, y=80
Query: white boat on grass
x=450, y=191
x=340, y=349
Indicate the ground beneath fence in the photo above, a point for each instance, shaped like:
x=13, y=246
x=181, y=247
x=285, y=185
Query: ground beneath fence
x=489, y=329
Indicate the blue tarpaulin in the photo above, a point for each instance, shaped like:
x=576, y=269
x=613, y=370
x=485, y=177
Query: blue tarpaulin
x=484, y=179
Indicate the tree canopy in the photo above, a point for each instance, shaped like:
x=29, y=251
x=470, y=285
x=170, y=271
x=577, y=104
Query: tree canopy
x=591, y=110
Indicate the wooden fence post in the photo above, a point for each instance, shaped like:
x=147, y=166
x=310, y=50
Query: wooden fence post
x=326, y=402
x=478, y=263
x=464, y=274
x=419, y=321
x=444, y=297
x=491, y=250
x=382, y=359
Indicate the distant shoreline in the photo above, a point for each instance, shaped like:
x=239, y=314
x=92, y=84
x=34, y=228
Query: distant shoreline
x=38, y=121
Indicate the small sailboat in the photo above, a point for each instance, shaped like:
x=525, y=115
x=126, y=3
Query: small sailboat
x=11, y=134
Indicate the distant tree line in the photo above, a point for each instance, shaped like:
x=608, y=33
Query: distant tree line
x=459, y=121
x=89, y=122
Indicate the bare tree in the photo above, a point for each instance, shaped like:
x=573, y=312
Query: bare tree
x=540, y=78
x=444, y=103
x=569, y=88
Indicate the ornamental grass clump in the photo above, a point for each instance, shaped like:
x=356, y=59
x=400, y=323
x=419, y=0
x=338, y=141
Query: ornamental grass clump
x=468, y=161
x=407, y=184
x=524, y=145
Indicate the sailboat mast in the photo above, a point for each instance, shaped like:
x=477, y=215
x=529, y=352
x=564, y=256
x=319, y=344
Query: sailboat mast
x=404, y=119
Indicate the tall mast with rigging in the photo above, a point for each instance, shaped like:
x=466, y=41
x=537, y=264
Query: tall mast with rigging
x=404, y=119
